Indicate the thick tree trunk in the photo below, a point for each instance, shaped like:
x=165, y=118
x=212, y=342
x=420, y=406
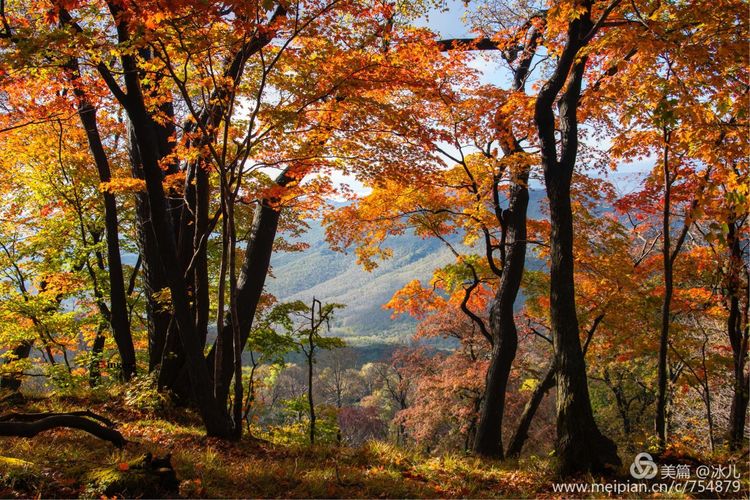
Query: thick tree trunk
x=191, y=257
x=580, y=446
x=174, y=372
x=214, y=416
x=488, y=440
x=154, y=280
x=159, y=316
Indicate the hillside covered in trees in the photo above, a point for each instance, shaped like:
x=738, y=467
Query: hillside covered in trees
x=314, y=248
x=337, y=277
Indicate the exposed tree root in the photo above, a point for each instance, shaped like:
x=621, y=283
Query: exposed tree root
x=31, y=424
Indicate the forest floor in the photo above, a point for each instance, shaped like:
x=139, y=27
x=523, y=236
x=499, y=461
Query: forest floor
x=59, y=463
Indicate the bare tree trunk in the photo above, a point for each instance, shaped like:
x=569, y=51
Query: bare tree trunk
x=165, y=351
x=214, y=415
x=221, y=389
x=310, y=401
x=575, y=418
x=310, y=361
x=710, y=419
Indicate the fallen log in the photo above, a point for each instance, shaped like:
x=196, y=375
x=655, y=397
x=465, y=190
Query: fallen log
x=31, y=424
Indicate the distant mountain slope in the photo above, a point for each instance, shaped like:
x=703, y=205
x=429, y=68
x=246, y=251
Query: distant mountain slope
x=335, y=277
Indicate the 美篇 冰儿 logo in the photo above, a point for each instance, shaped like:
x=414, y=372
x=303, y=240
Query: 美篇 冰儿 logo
x=643, y=467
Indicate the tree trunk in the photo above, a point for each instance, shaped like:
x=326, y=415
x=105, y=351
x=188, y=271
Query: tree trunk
x=621, y=400
x=200, y=273
x=580, y=446
x=250, y=282
x=174, y=373
x=214, y=416
x=192, y=229
x=118, y=301
x=95, y=371
x=738, y=332
x=529, y=411
x=488, y=440
x=159, y=317
x=660, y=421
x=118, y=317
x=310, y=401
x=29, y=425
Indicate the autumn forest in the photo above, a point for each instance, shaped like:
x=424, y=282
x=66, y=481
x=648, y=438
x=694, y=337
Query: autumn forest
x=573, y=175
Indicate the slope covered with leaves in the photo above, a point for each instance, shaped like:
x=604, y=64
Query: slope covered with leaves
x=60, y=463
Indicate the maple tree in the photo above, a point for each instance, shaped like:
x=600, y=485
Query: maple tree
x=448, y=388
x=567, y=77
x=685, y=116
x=432, y=207
x=54, y=251
x=159, y=154
x=192, y=148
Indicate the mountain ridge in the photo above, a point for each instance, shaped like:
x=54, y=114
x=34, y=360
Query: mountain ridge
x=333, y=276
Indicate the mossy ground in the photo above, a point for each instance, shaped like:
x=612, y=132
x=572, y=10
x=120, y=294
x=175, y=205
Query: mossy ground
x=61, y=463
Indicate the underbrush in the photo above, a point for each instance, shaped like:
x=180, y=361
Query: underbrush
x=273, y=463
